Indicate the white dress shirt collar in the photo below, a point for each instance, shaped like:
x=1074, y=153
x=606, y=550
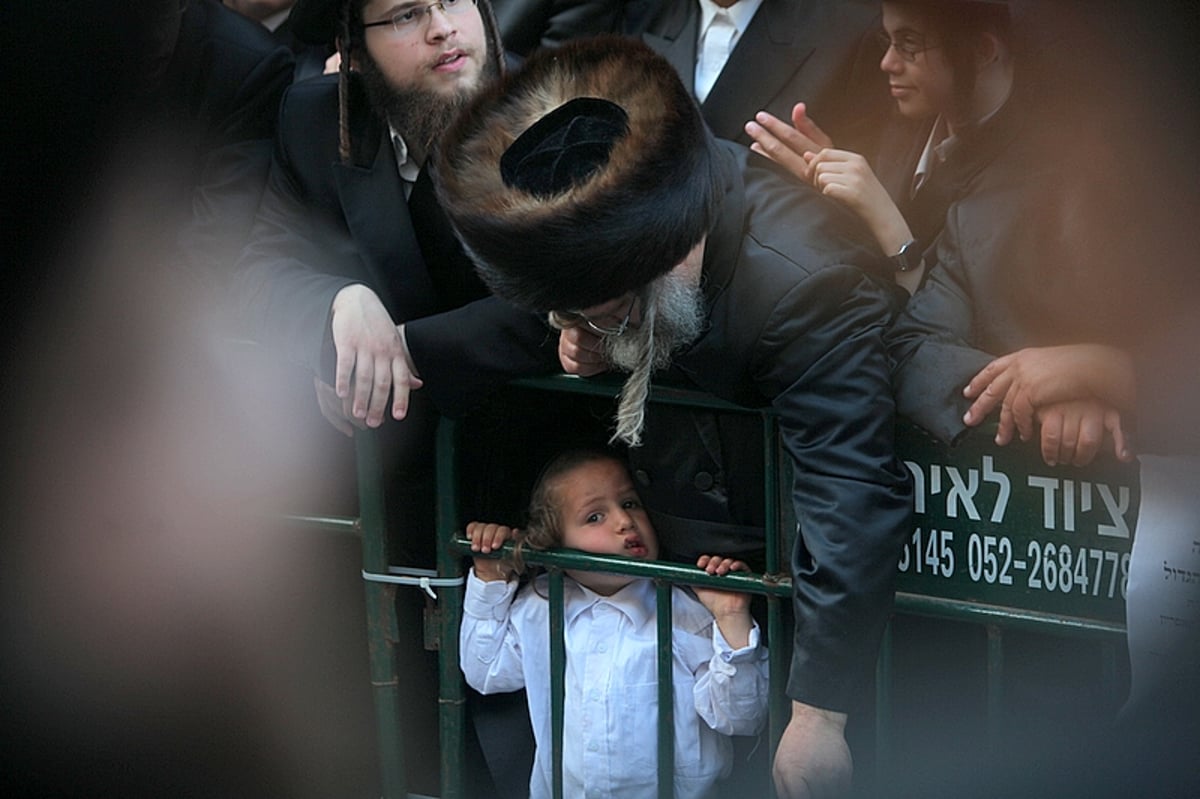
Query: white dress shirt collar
x=713, y=51
x=634, y=600
x=740, y=12
x=408, y=167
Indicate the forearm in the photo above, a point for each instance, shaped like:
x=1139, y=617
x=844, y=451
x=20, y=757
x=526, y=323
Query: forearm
x=490, y=570
x=853, y=502
x=278, y=297
x=929, y=350
x=731, y=694
x=735, y=628
x=888, y=225
x=465, y=354
x=841, y=610
x=488, y=654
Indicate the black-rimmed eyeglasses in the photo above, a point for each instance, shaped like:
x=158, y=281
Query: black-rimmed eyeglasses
x=595, y=325
x=907, y=45
x=408, y=19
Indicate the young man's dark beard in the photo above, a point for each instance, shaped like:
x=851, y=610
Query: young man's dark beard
x=419, y=115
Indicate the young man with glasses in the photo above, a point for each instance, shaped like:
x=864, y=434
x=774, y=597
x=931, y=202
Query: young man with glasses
x=349, y=244
x=950, y=72
x=352, y=272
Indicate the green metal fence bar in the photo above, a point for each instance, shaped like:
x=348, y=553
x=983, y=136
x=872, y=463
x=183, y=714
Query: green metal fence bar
x=558, y=684
x=983, y=613
x=996, y=621
x=779, y=637
x=677, y=573
x=883, y=764
x=451, y=691
x=666, y=693
x=1108, y=667
x=344, y=525
x=995, y=684
x=775, y=585
x=607, y=386
x=381, y=617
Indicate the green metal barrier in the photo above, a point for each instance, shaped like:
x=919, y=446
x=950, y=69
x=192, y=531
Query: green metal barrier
x=1003, y=541
x=999, y=540
x=773, y=585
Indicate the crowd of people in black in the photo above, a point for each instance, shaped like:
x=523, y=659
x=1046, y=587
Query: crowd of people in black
x=379, y=212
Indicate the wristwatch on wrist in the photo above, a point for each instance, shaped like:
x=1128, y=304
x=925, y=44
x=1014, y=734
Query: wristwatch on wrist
x=908, y=257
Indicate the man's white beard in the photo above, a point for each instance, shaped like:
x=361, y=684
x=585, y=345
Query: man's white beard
x=672, y=319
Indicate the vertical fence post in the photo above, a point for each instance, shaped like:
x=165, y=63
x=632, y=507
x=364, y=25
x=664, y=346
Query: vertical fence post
x=666, y=693
x=778, y=636
x=883, y=709
x=451, y=695
x=381, y=616
x=558, y=682
x=995, y=686
x=1108, y=673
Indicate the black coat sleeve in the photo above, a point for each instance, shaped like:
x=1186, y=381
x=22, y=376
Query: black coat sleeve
x=927, y=345
x=526, y=25
x=299, y=254
x=827, y=370
x=465, y=354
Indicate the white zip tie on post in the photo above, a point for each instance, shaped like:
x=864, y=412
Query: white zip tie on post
x=424, y=579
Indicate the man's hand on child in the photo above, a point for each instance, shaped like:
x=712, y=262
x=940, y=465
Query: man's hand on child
x=488, y=537
x=1063, y=389
x=1020, y=383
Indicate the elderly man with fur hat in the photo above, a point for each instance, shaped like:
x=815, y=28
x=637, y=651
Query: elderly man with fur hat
x=651, y=245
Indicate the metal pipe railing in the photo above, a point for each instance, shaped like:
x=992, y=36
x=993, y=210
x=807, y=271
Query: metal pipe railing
x=381, y=618
x=774, y=585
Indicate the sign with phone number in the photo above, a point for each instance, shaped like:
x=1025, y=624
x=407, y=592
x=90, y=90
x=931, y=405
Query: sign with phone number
x=996, y=525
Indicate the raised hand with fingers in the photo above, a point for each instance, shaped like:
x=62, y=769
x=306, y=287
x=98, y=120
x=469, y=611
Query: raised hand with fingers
x=786, y=144
x=848, y=178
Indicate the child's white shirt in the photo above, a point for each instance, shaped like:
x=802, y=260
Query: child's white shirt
x=610, y=718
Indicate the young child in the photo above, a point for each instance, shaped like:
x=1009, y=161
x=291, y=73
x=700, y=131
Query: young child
x=585, y=500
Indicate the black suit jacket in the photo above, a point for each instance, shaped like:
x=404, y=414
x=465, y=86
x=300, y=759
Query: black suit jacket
x=526, y=25
x=1040, y=247
x=324, y=225
x=225, y=78
x=217, y=106
x=797, y=309
x=815, y=51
